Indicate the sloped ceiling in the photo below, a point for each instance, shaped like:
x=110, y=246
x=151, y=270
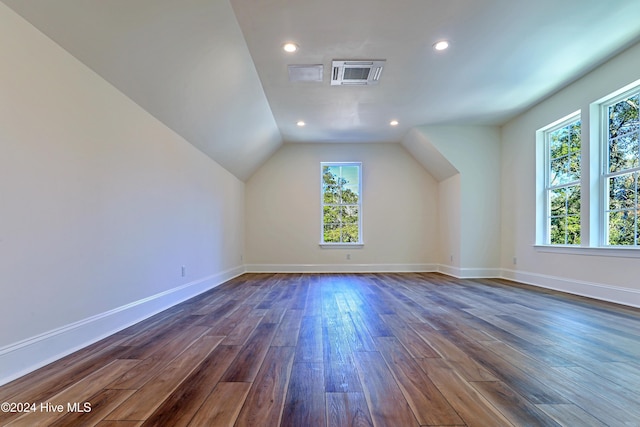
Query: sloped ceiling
x=214, y=70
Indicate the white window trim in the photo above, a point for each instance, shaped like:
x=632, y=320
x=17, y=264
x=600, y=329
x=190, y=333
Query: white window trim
x=342, y=245
x=604, y=174
x=607, y=251
x=594, y=186
x=542, y=181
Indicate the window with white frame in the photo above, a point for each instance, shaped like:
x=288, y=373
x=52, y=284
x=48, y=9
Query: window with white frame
x=562, y=182
x=621, y=168
x=341, y=203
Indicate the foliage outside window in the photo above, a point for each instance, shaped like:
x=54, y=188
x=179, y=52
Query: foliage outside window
x=341, y=203
x=622, y=167
x=563, y=144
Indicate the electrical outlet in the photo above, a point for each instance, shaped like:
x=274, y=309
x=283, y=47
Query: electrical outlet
x=183, y=271
x=515, y=260
x=451, y=258
x=348, y=256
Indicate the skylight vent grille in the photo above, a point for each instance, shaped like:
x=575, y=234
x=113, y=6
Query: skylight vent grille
x=346, y=73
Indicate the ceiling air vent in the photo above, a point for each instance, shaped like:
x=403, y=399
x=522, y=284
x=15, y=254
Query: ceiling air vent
x=305, y=73
x=348, y=73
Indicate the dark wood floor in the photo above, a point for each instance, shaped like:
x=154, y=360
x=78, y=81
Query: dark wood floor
x=340, y=349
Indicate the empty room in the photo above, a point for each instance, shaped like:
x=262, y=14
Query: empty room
x=319, y=213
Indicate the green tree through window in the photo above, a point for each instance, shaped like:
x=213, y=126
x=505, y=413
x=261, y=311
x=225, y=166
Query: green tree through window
x=563, y=183
x=341, y=204
x=623, y=168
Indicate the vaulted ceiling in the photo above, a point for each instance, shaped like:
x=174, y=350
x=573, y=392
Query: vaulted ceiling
x=214, y=70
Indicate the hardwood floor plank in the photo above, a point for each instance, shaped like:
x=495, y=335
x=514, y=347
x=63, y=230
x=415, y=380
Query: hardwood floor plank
x=80, y=391
x=101, y=404
x=222, y=406
x=409, y=338
x=51, y=379
x=309, y=348
x=347, y=410
x=180, y=406
x=155, y=360
x=274, y=315
x=339, y=369
x=265, y=402
x=299, y=298
x=511, y=372
x=246, y=365
x=372, y=321
x=471, y=406
x=109, y=423
x=144, y=401
x=466, y=366
x=225, y=325
x=427, y=403
x=357, y=333
x=305, y=404
x=288, y=330
x=386, y=402
x=604, y=401
x=512, y=405
x=570, y=415
x=240, y=334
x=213, y=317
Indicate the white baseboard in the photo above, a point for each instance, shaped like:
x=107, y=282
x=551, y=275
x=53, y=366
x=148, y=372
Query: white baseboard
x=469, y=273
x=340, y=268
x=25, y=356
x=610, y=293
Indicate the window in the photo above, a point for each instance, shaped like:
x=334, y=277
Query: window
x=621, y=169
x=562, y=182
x=341, y=203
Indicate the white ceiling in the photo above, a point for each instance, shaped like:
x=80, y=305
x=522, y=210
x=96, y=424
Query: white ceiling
x=214, y=71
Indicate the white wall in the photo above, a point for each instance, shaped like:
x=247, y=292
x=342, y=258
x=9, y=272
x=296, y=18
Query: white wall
x=449, y=224
x=100, y=206
x=399, y=211
x=587, y=272
x=474, y=151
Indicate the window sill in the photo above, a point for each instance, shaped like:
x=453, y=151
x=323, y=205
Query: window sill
x=341, y=245
x=613, y=251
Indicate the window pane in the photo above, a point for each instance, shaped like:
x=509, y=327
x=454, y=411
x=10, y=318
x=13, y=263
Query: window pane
x=350, y=233
x=331, y=233
x=559, y=143
x=557, y=202
x=558, y=231
x=574, y=167
x=350, y=184
x=330, y=214
x=573, y=230
x=622, y=228
x=558, y=173
x=623, y=152
x=575, y=136
x=623, y=116
x=622, y=192
x=349, y=214
x=573, y=200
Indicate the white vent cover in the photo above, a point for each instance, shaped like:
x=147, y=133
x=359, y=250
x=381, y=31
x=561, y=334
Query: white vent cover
x=305, y=73
x=356, y=72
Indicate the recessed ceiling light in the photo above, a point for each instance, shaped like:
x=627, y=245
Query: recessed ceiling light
x=301, y=123
x=394, y=123
x=441, y=45
x=290, y=47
